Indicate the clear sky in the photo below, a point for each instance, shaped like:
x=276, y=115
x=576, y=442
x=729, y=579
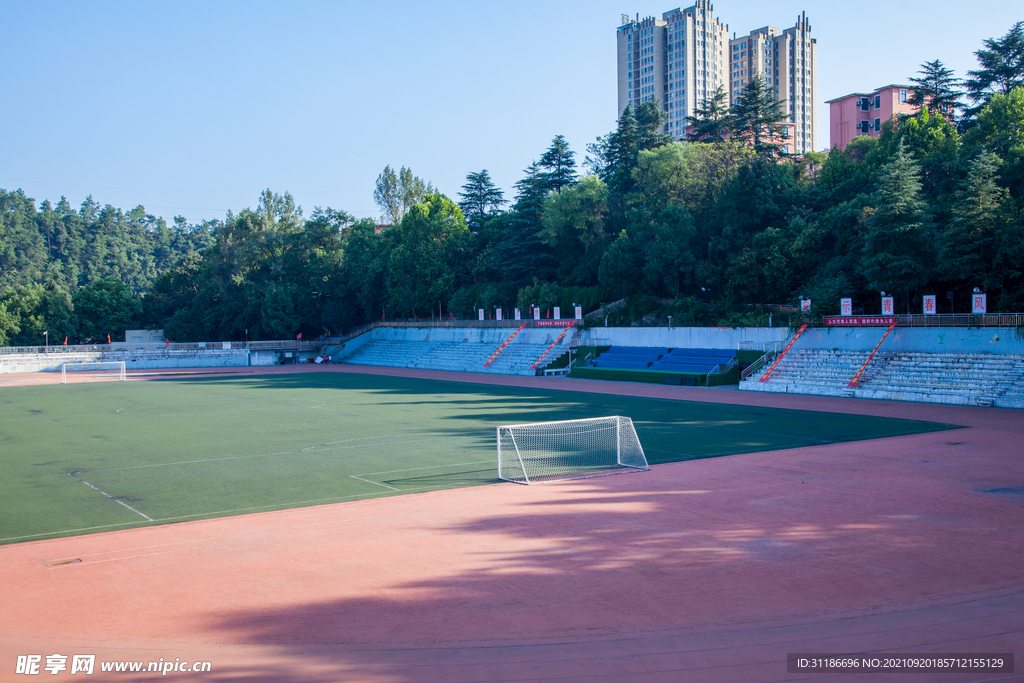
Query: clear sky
x=194, y=108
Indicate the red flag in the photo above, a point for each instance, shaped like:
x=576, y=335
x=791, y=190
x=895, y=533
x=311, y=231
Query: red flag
x=298, y=336
x=65, y=341
x=167, y=343
x=108, y=338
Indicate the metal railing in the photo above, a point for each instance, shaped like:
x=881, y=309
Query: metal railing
x=941, y=320
x=129, y=347
x=962, y=320
x=768, y=357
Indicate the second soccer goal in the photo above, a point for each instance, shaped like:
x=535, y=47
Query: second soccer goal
x=96, y=369
x=569, y=449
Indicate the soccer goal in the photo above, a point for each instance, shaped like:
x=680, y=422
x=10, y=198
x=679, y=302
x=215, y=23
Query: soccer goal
x=569, y=449
x=97, y=369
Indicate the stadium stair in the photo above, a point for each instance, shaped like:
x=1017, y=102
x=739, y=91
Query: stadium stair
x=515, y=359
x=952, y=378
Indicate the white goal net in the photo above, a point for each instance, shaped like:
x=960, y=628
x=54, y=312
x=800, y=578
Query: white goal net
x=570, y=449
x=93, y=370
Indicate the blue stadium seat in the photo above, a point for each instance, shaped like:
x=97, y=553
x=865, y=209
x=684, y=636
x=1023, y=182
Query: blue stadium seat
x=642, y=350
x=717, y=353
x=635, y=357
x=698, y=360
x=620, y=364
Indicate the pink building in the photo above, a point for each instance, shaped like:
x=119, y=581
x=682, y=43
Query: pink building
x=863, y=113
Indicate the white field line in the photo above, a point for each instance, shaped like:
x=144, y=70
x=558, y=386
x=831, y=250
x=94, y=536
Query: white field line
x=110, y=496
x=375, y=483
x=70, y=531
x=263, y=507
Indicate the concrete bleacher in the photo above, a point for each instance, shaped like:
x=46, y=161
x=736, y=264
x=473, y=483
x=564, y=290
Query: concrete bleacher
x=458, y=356
x=953, y=378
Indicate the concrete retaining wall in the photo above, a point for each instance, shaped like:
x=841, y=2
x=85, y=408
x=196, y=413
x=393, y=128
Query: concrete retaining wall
x=926, y=340
x=43, y=362
x=195, y=358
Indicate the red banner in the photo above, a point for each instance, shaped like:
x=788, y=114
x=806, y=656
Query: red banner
x=868, y=320
x=554, y=323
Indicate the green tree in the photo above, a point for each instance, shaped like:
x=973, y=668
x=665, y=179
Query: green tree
x=622, y=267
x=395, y=193
x=106, y=307
x=896, y=241
x=936, y=88
x=999, y=127
x=558, y=164
x=428, y=257
x=574, y=223
x=1001, y=68
x=979, y=218
x=756, y=118
x=481, y=199
x=710, y=121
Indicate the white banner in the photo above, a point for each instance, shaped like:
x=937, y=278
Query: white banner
x=846, y=307
x=805, y=305
x=929, y=304
x=518, y=317
x=886, y=305
x=558, y=313
x=536, y=313
x=481, y=314
x=497, y=313
x=579, y=313
x=980, y=303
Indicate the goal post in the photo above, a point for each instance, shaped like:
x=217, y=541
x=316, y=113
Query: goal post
x=568, y=449
x=103, y=369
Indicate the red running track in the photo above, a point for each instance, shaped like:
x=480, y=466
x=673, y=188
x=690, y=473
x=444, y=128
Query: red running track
x=710, y=570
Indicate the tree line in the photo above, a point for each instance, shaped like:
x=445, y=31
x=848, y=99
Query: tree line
x=703, y=230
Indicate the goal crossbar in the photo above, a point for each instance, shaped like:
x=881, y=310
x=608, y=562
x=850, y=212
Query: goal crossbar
x=568, y=449
x=117, y=366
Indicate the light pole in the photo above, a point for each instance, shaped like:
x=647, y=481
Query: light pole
x=46, y=341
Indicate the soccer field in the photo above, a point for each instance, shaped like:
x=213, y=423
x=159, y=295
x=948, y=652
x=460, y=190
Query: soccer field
x=83, y=458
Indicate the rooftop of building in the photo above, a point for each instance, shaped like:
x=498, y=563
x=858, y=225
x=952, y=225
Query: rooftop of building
x=869, y=94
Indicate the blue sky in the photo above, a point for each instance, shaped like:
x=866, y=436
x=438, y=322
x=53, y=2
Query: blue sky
x=194, y=108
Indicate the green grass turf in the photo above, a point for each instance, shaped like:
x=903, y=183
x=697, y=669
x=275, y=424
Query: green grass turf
x=184, y=449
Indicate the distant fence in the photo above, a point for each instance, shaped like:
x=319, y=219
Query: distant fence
x=128, y=347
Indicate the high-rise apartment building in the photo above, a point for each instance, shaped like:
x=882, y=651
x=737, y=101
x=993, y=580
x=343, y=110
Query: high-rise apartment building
x=679, y=60
x=685, y=56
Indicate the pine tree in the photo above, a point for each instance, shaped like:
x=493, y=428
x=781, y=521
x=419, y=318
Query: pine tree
x=559, y=164
x=756, y=116
x=481, y=199
x=710, y=121
x=896, y=240
x=978, y=217
x=1001, y=69
x=936, y=89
